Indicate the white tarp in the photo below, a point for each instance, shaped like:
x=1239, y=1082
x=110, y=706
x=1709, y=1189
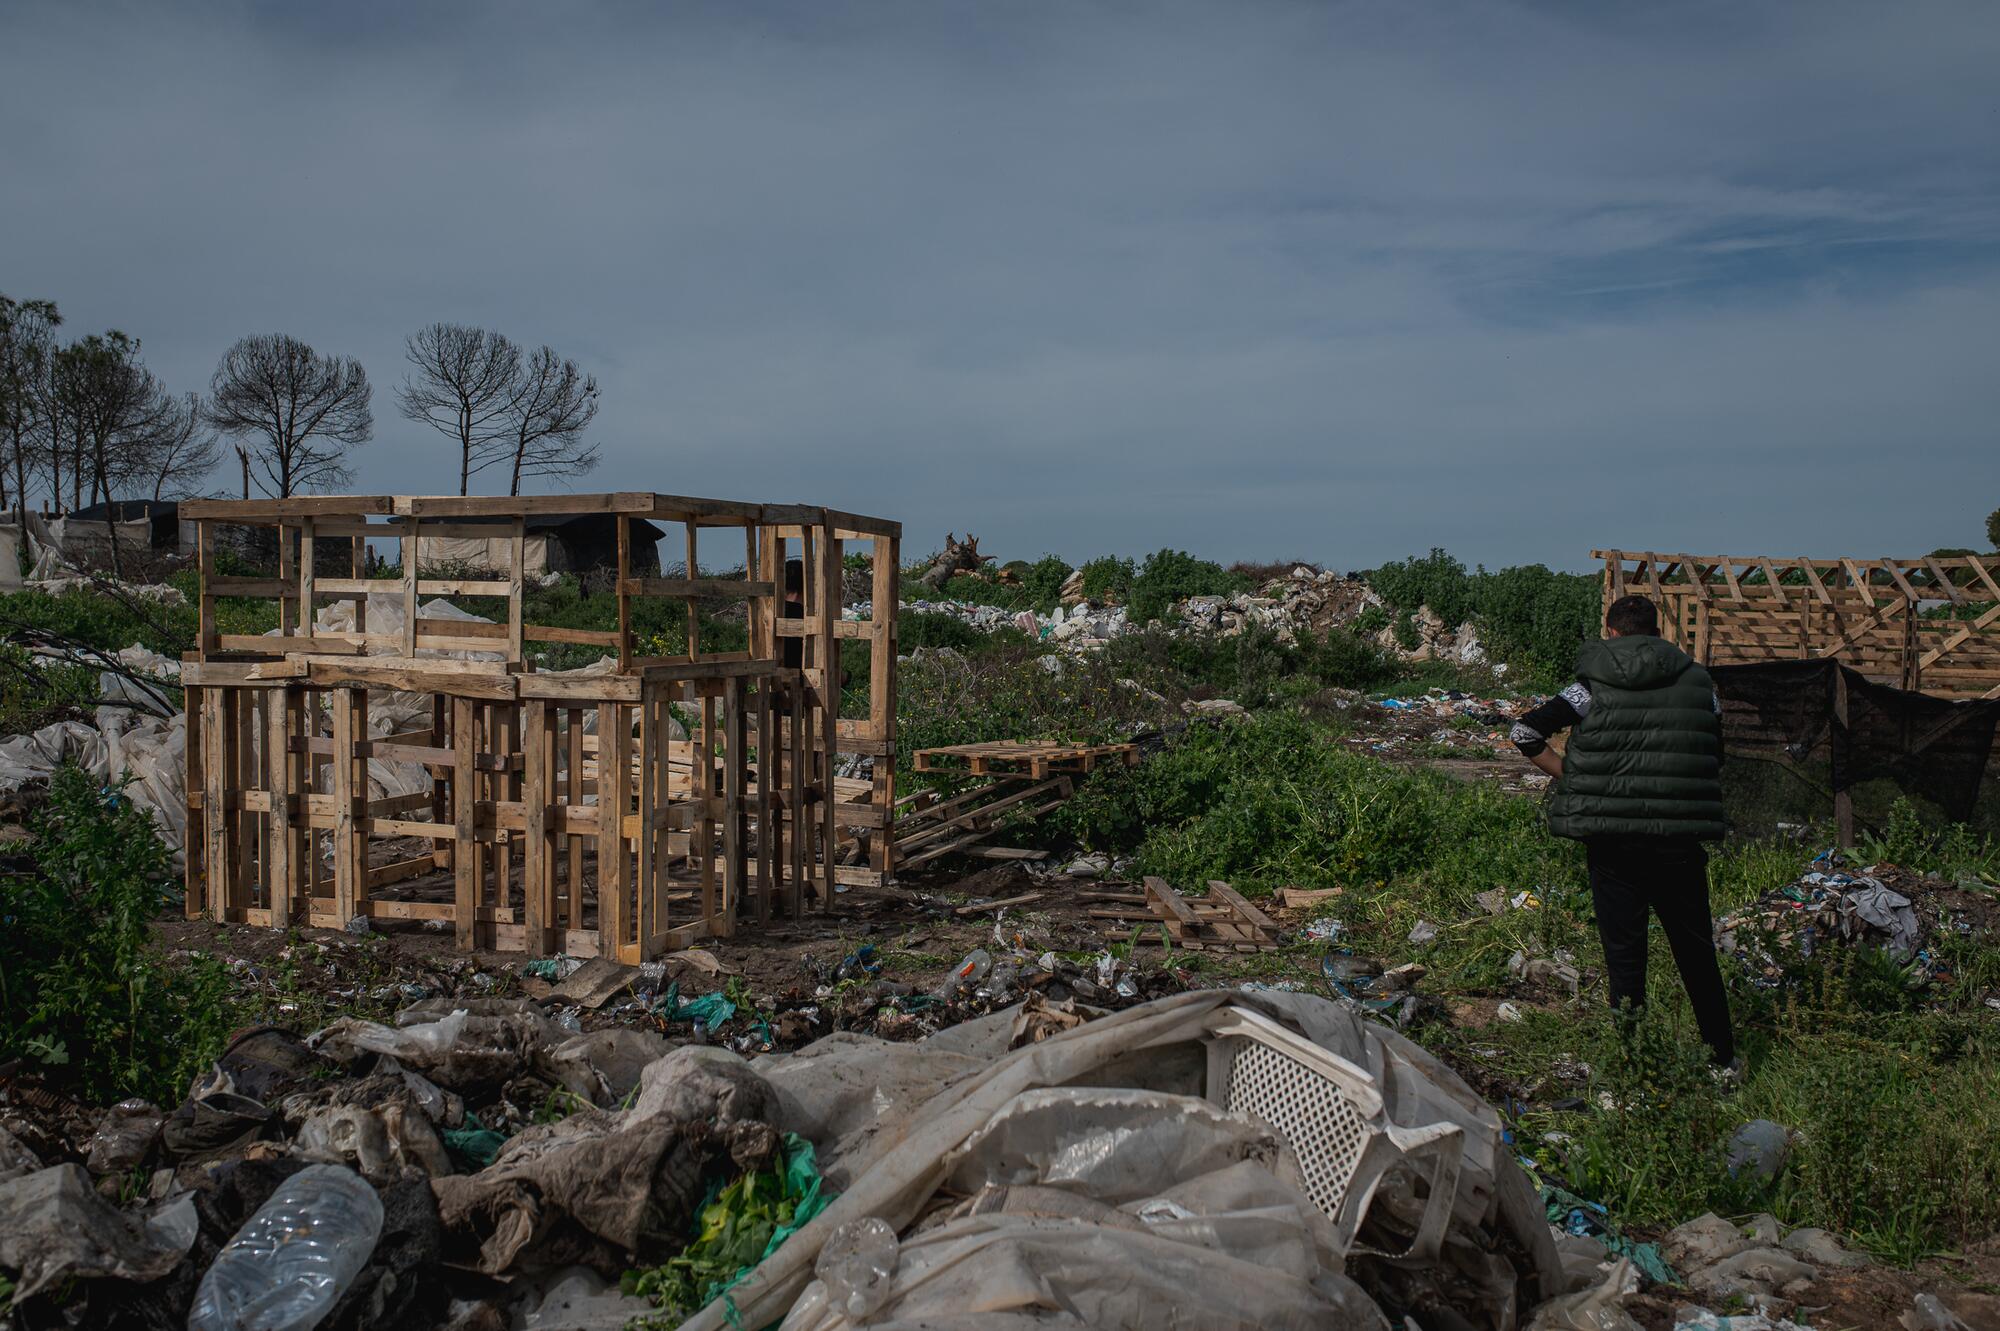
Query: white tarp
x=152, y=751
x=895, y=1122
x=495, y=554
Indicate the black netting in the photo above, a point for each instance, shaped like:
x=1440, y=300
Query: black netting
x=1790, y=751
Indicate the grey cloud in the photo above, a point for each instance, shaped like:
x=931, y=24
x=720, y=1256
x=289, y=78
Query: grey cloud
x=1341, y=281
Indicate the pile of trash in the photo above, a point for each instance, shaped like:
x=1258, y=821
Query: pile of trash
x=1885, y=908
x=474, y=1164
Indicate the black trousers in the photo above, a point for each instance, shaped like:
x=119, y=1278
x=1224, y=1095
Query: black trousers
x=1668, y=877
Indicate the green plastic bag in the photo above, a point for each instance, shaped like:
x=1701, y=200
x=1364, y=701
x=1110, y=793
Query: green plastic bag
x=741, y=1224
x=473, y=1146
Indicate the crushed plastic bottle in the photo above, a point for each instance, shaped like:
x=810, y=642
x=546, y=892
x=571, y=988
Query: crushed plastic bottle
x=294, y=1258
x=966, y=974
x=858, y=1265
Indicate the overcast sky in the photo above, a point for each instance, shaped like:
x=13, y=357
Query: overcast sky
x=1257, y=280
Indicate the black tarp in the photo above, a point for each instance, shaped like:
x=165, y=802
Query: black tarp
x=1822, y=712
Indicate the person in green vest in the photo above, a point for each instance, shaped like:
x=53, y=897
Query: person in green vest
x=1640, y=784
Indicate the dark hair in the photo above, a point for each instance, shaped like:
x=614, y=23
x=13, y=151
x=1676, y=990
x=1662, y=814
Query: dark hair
x=1633, y=614
x=795, y=575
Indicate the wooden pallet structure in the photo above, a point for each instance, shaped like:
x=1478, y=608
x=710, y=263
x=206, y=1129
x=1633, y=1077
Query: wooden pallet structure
x=1222, y=921
x=1930, y=624
x=1016, y=778
x=1035, y=759
x=720, y=765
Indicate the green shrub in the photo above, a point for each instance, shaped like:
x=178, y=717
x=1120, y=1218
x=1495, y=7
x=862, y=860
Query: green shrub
x=1536, y=618
x=1436, y=580
x=35, y=691
x=925, y=628
x=1168, y=576
x=1108, y=579
x=80, y=994
x=1042, y=582
x=1527, y=615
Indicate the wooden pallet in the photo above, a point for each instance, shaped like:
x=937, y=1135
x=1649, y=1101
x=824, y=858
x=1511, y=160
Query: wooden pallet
x=959, y=825
x=1035, y=759
x=1222, y=920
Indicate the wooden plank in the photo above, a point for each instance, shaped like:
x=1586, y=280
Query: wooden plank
x=982, y=908
x=1257, y=919
x=737, y=588
x=1174, y=912
x=461, y=586
x=586, y=637
x=266, y=512
x=1942, y=579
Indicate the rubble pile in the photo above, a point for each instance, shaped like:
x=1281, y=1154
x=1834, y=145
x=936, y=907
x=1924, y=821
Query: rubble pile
x=1305, y=602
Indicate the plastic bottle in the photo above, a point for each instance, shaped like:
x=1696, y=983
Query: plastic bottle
x=858, y=1264
x=967, y=973
x=292, y=1260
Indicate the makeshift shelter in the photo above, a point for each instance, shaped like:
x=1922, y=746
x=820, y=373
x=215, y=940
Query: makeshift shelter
x=552, y=543
x=161, y=520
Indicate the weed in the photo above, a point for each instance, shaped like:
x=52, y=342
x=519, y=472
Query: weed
x=79, y=992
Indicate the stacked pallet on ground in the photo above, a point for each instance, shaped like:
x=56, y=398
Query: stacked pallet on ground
x=719, y=764
x=1018, y=779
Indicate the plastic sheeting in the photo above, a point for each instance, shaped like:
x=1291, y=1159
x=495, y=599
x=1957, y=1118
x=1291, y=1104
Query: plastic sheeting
x=151, y=751
x=898, y=1137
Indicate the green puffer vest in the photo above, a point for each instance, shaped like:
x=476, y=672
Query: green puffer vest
x=1647, y=758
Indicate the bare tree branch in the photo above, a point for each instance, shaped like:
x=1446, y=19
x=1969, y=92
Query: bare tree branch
x=464, y=387
x=306, y=410
x=554, y=402
x=180, y=450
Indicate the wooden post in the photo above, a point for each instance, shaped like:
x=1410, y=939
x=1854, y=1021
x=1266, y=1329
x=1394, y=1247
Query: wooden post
x=536, y=884
x=517, y=580
x=767, y=805
x=205, y=559
x=828, y=734
x=573, y=893
x=734, y=859
x=284, y=763
x=883, y=595
x=614, y=763
x=349, y=844
x=465, y=824
x=649, y=899
x=307, y=572
x=193, y=880
x=624, y=599
x=411, y=545
x=216, y=767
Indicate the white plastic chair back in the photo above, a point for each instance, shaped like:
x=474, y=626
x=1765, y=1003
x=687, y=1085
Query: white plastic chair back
x=1331, y=1114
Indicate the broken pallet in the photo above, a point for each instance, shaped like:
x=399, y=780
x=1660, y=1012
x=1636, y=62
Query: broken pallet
x=1222, y=920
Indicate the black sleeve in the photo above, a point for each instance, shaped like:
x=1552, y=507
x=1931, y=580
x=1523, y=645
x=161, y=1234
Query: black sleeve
x=1531, y=733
